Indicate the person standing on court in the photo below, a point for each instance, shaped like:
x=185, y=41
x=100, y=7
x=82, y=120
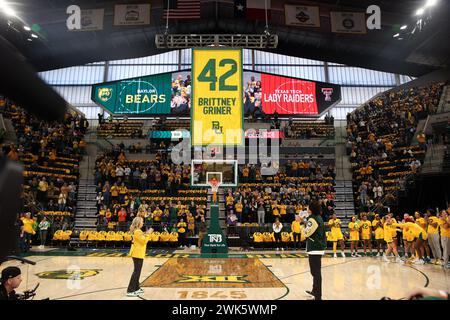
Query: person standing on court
x=315, y=247
x=137, y=252
x=277, y=227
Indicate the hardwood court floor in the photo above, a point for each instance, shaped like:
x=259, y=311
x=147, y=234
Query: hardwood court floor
x=93, y=277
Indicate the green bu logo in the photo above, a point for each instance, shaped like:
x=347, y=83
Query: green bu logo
x=217, y=127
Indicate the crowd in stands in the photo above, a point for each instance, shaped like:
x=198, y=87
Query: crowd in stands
x=309, y=129
x=120, y=128
x=262, y=199
x=157, y=190
x=50, y=153
x=380, y=136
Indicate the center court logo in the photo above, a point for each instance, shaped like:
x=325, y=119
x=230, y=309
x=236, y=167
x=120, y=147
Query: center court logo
x=67, y=274
x=212, y=279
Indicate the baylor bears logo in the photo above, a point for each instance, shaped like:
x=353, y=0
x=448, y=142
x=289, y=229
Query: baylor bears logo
x=105, y=94
x=67, y=274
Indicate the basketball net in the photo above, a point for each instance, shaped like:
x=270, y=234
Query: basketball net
x=214, y=184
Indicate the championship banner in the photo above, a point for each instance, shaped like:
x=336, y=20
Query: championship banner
x=348, y=22
x=131, y=14
x=301, y=16
x=91, y=20
x=216, y=102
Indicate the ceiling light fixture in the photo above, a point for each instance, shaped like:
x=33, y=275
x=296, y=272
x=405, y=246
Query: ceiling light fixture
x=420, y=12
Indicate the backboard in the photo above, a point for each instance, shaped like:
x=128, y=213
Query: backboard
x=225, y=171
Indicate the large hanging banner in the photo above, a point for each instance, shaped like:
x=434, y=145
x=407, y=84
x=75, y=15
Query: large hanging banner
x=136, y=96
x=301, y=16
x=348, y=22
x=216, y=101
x=131, y=14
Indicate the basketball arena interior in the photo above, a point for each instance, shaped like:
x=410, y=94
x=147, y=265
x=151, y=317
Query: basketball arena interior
x=224, y=150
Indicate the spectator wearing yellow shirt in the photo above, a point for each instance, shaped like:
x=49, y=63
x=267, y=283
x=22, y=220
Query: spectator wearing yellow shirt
x=238, y=208
x=433, y=235
x=283, y=211
x=28, y=230
x=230, y=201
x=191, y=224
x=157, y=213
x=275, y=210
x=388, y=145
x=123, y=190
x=245, y=174
x=296, y=231
x=181, y=226
x=294, y=169
x=114, y=192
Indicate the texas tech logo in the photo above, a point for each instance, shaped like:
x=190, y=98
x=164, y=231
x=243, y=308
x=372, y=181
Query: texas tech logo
x=215, y=238
x=327, y=92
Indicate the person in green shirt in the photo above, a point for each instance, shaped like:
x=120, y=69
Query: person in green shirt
x=43, y=229
x=173, y=213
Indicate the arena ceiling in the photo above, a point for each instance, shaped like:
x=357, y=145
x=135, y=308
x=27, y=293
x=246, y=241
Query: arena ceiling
x=423, y=52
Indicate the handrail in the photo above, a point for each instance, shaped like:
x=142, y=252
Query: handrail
x=2, y=123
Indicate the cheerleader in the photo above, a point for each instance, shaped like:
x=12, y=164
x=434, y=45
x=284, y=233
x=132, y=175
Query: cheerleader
x=420, y=220
x=418, y=233
x=377, y=225
x=389, y=229
x=366, y=234
x=409, y=237
x=336, y=235
x=354, y=237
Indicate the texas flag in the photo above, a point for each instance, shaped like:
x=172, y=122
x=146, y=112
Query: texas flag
x=252, y=9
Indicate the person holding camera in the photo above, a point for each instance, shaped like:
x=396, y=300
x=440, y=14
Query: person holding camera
x=10, y=280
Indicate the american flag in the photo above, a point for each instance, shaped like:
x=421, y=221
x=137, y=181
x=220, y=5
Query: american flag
x=182, y=9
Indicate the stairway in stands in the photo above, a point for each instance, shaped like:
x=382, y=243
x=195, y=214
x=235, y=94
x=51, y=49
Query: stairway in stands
x=444, y=103
x=10, y=132
x=344, y=201
x=85, y=216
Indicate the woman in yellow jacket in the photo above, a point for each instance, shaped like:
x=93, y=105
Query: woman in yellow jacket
x=137, y=252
